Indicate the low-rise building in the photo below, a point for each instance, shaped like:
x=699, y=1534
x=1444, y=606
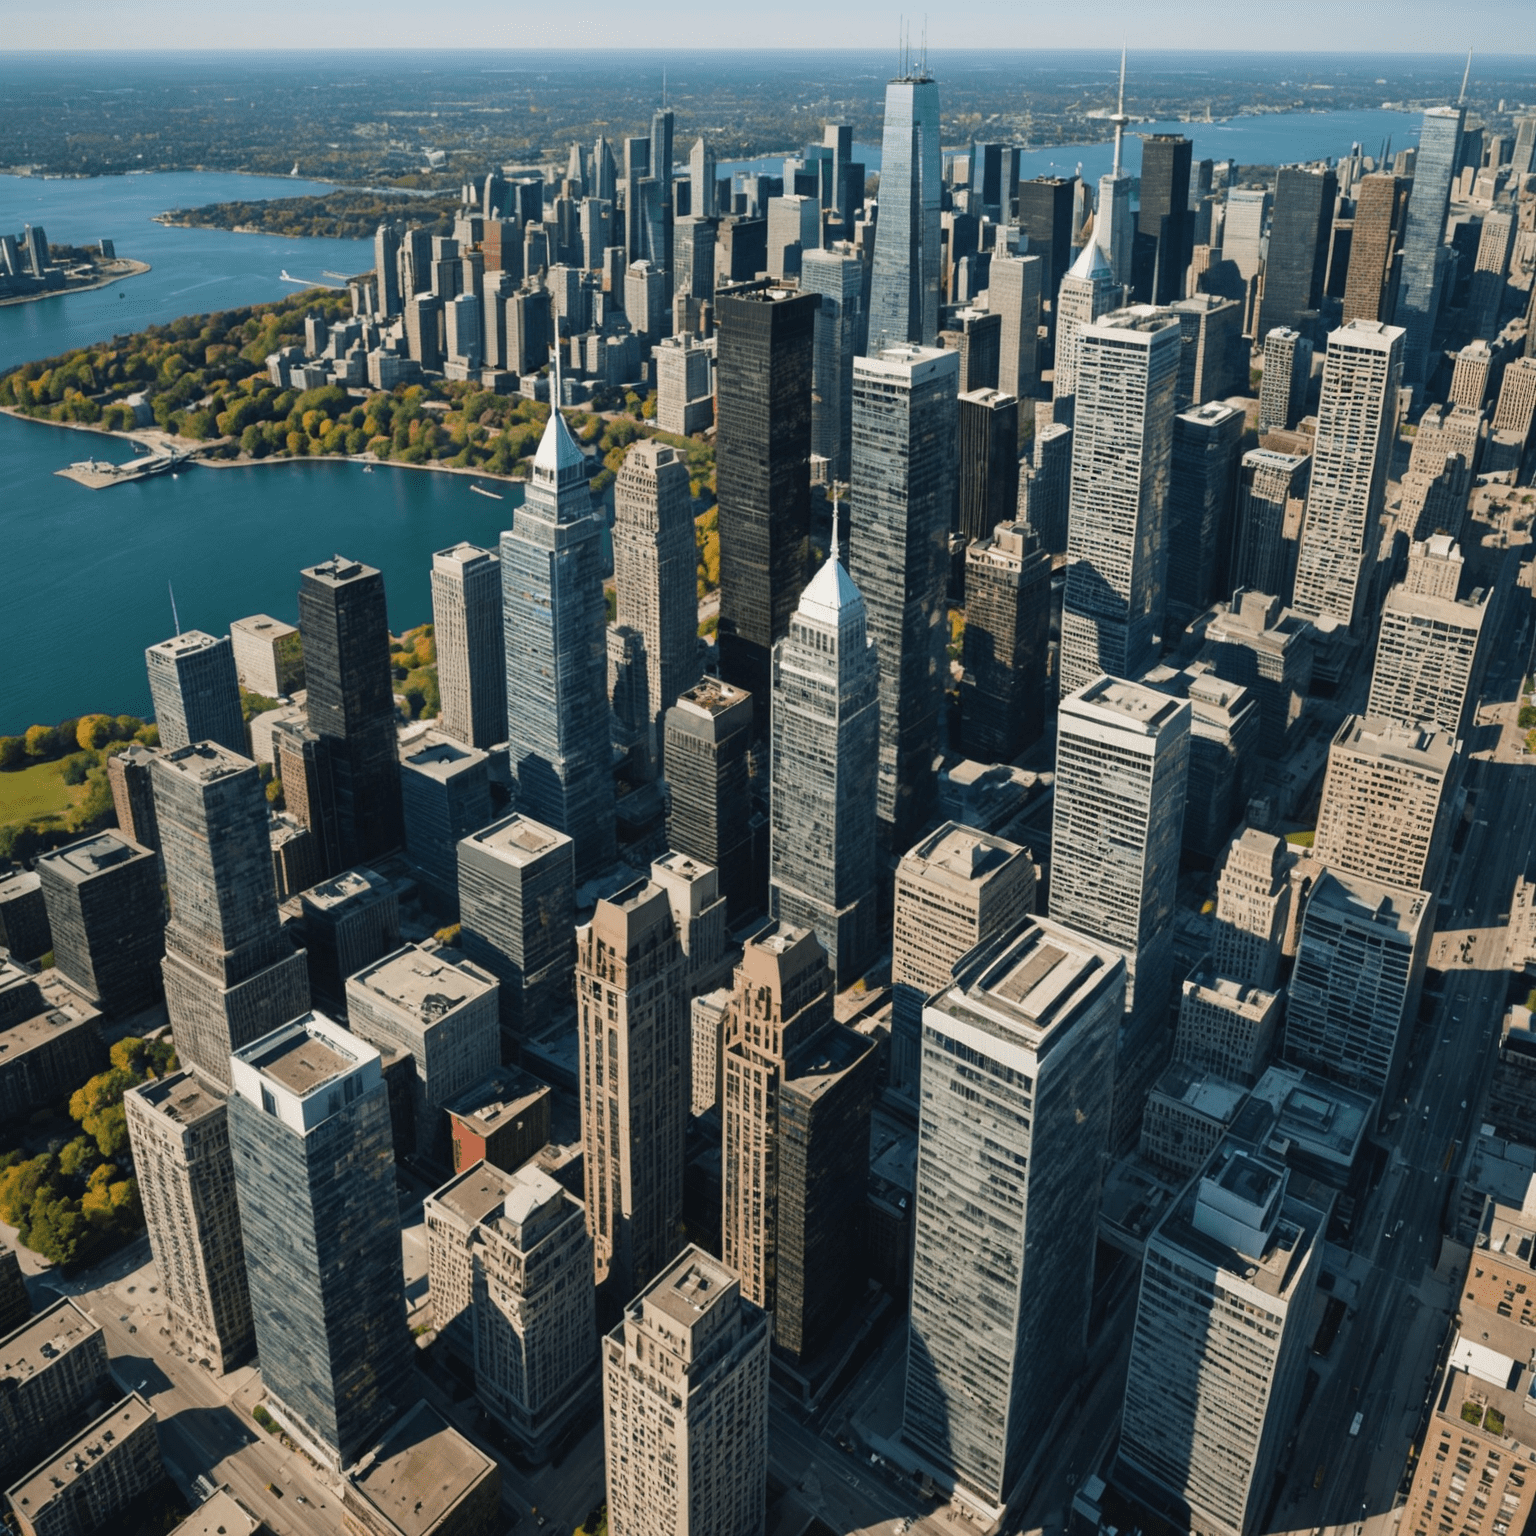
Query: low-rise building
x=53, y=1371
x=503, y=1119
x=423, y=1479
x=1225, y=1026
x=49, y=1043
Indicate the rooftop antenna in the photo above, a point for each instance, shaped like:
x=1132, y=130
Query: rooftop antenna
x=1120, y=119
x=555, y=398
x=175, y=617
x=1466, y=75
x=836, y=551
x=922, y=67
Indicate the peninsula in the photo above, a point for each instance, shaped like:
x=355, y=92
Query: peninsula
x=31, y=268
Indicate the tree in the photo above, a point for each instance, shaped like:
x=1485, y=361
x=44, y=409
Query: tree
x=13, y=752
x=39, y=741
x=19, y=1185
x=98, y=1106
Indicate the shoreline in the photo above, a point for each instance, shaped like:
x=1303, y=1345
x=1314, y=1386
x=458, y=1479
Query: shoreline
x=131, y=268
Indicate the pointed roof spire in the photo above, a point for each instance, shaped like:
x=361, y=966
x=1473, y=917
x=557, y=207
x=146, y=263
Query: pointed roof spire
x=1466, y=75
x=558, y=452
x=830, y=597
x=1092, y=265
x=1120, y=119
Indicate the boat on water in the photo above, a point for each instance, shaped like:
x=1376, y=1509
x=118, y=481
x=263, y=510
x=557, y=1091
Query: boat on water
x=481, y=490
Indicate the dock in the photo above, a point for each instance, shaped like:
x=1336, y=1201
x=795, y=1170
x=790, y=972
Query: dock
x=98, y=474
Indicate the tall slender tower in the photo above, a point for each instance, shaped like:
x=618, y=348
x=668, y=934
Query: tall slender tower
x=1299, y=232
x=1424, y=254
x=655, y=563
x=905, y=413
x=351, y=705
x=555, y=623
x=471, y=651
x=1088, y=291
x=904, y=291
x=838, y=277
x=701, y=182
x=1370, y=288
x=635, y=1047
x=230, y=972
x=1117, y=534
x=386, y=266
x=1163, y=220
x=1356, y=414
x=195, y=690
x=1112, y=228
x=826, y=752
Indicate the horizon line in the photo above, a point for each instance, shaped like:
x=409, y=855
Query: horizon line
x=675, y=50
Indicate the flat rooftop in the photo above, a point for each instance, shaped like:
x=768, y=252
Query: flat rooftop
x=1365, y=900
x=475, y=1194
x=93, y=856
x=684, y=867
x=422, y=984
x=352, y=885
x=181, y=1098
x=1422, y=746
x=1202, y=1092
x=300, y=1060
x=19, y=883
x=338, y=571
x=957, y=856
x=47, y=1482
x=529, y=1190
x=41, y=1340
x=519, y=839
x=1122, y=703
x=692, y=1286
x=1274, y=1272
x=825, y=1059
x=442, y=759
x=1316, y=1116
x=420, y=1470
x=187, y=643
x=263, y=627
x=204, y=762
x=506, y=1094
x=1239, y=998
x=221, y=1515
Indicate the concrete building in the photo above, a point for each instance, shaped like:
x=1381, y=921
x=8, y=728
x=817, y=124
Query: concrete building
x=1258, y=642
x=94, y=1476
x=452, y=1215
x=54, y=1374
x=1253, y=904
x=655, y=563
x=1356, y=421
x=708, y=735
x=1210, y=1397
x=957, y=889
x=826, y=754
x=707, y=1028
x=903, y=471
x=1202, y=487
x=797, y=1092
x=1370, y=289
x=471, y=649
x=231, y=974
x=1271, y=501
x=1387, y=802
x=178, y=1129
x=1360, y=960
x=1226, y=1026
x=349, y=922
x=517, y=907
x=269, y=657
x=195, y=691
x=1188, y=1112
x=314, y=1170
x=445, y=796
x=49, y=1043
x=635, y=1047
x=1005, y=650
x=1018, y=1062
x=133, y=798
x=24, y=910
x=1016, y=287
x=685, y=1406
x=440, y=1010
x=1286, y=380
x=423, y=1478
x=1212, y=354
x=685, y=400
x=1122, y=441
x=15, y=1307
x=698, y=911
x=104, y=913
x=1511, y=1106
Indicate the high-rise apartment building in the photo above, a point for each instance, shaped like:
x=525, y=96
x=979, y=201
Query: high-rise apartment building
x=178, y=1128
x=655, y=563
x=1017, y=1067
x=1016, y=287
x=517, y=910
x=1271, y=501
x=1370, y=290
x=133, y=799
x=1490, y=273
x=841, y=329
x=1163, y=221
x=1354, y=992
x=555, y=625
x=635, y=1049
x=102, y=896
x=797, y=1090
x=1297, y=260
x=1088, y=291
x=1112, y=611
x=195, y=691
x=351, y=702
x=1253, y=905
x=956, y=889
x=766, y=342
x=904, y=286
x=1226, y=1026
x=1424, y=259
x=1387, y=800
x=314, y=1170
x=708, y=739
x=823, y=846
x=1287, y=376
x=1219, y=1354
x=903, y=473
x=1355, y=427
x=471, y=651
x=685, y=1406
x=1005, y=648
x=1202, y=487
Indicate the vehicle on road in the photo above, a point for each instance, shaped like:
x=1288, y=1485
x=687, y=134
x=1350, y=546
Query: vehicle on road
x=1354, y=1428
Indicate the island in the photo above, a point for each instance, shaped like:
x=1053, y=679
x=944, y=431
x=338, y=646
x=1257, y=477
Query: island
x=342, y=215
x=31, y=268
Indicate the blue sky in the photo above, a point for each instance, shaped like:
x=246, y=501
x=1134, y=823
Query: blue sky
x=1395, y=26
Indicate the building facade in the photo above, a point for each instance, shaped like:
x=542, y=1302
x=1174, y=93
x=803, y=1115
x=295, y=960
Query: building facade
x=471, y=650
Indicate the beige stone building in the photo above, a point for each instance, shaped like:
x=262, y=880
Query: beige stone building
x=1253, y=902
x=1225, y=1026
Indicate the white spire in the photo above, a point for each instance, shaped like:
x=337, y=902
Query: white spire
x=1120, y=119
x=1466, y=75
x=559, y=453
x=830, y=596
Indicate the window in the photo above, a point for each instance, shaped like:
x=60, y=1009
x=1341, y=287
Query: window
x=268, y=1103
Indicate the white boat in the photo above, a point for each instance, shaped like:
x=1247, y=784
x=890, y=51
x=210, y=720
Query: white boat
x=481, y=490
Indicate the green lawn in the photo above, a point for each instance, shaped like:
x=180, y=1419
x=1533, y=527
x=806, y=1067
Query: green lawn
x=27, y=793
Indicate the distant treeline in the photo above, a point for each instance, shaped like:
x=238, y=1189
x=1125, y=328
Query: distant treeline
x=335, y=216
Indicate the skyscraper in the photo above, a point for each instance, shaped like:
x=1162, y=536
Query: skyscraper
x=1253, y=904
x=1202, y=487
x=195, y=691
x=231, y=973
x=989, y=461
x=471, y=652
x=841, y=323
x=1210, y=1397
x=701, y=181
x=178, y=1130
x=635, y=1046
x=1299, y=231
x=687, y=1442
x=1017, y=1066
x=1287, y=377
x=1355, y=422
x=1007, y=637
x=1271, y=496
x=1088, y=291
x=1045, y=216
x=555, y=625
x=763, y=474
x=904, y=290
x=1016, y=286
x=904, y=410
x=1242, y=233
x=351, y=704
x=1212, y=357
x=1424, y=257
x=386, y=267
x=1163, y=220
x=314, y=1170
x=1117, y=532
x=1113, y=231
x=655, y=564
x=826, y=752
x=1045, y=485
x=798, y=1088
x=1370, y=289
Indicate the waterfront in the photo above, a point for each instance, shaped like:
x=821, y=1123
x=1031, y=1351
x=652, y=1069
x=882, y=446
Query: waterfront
x=84, y=573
